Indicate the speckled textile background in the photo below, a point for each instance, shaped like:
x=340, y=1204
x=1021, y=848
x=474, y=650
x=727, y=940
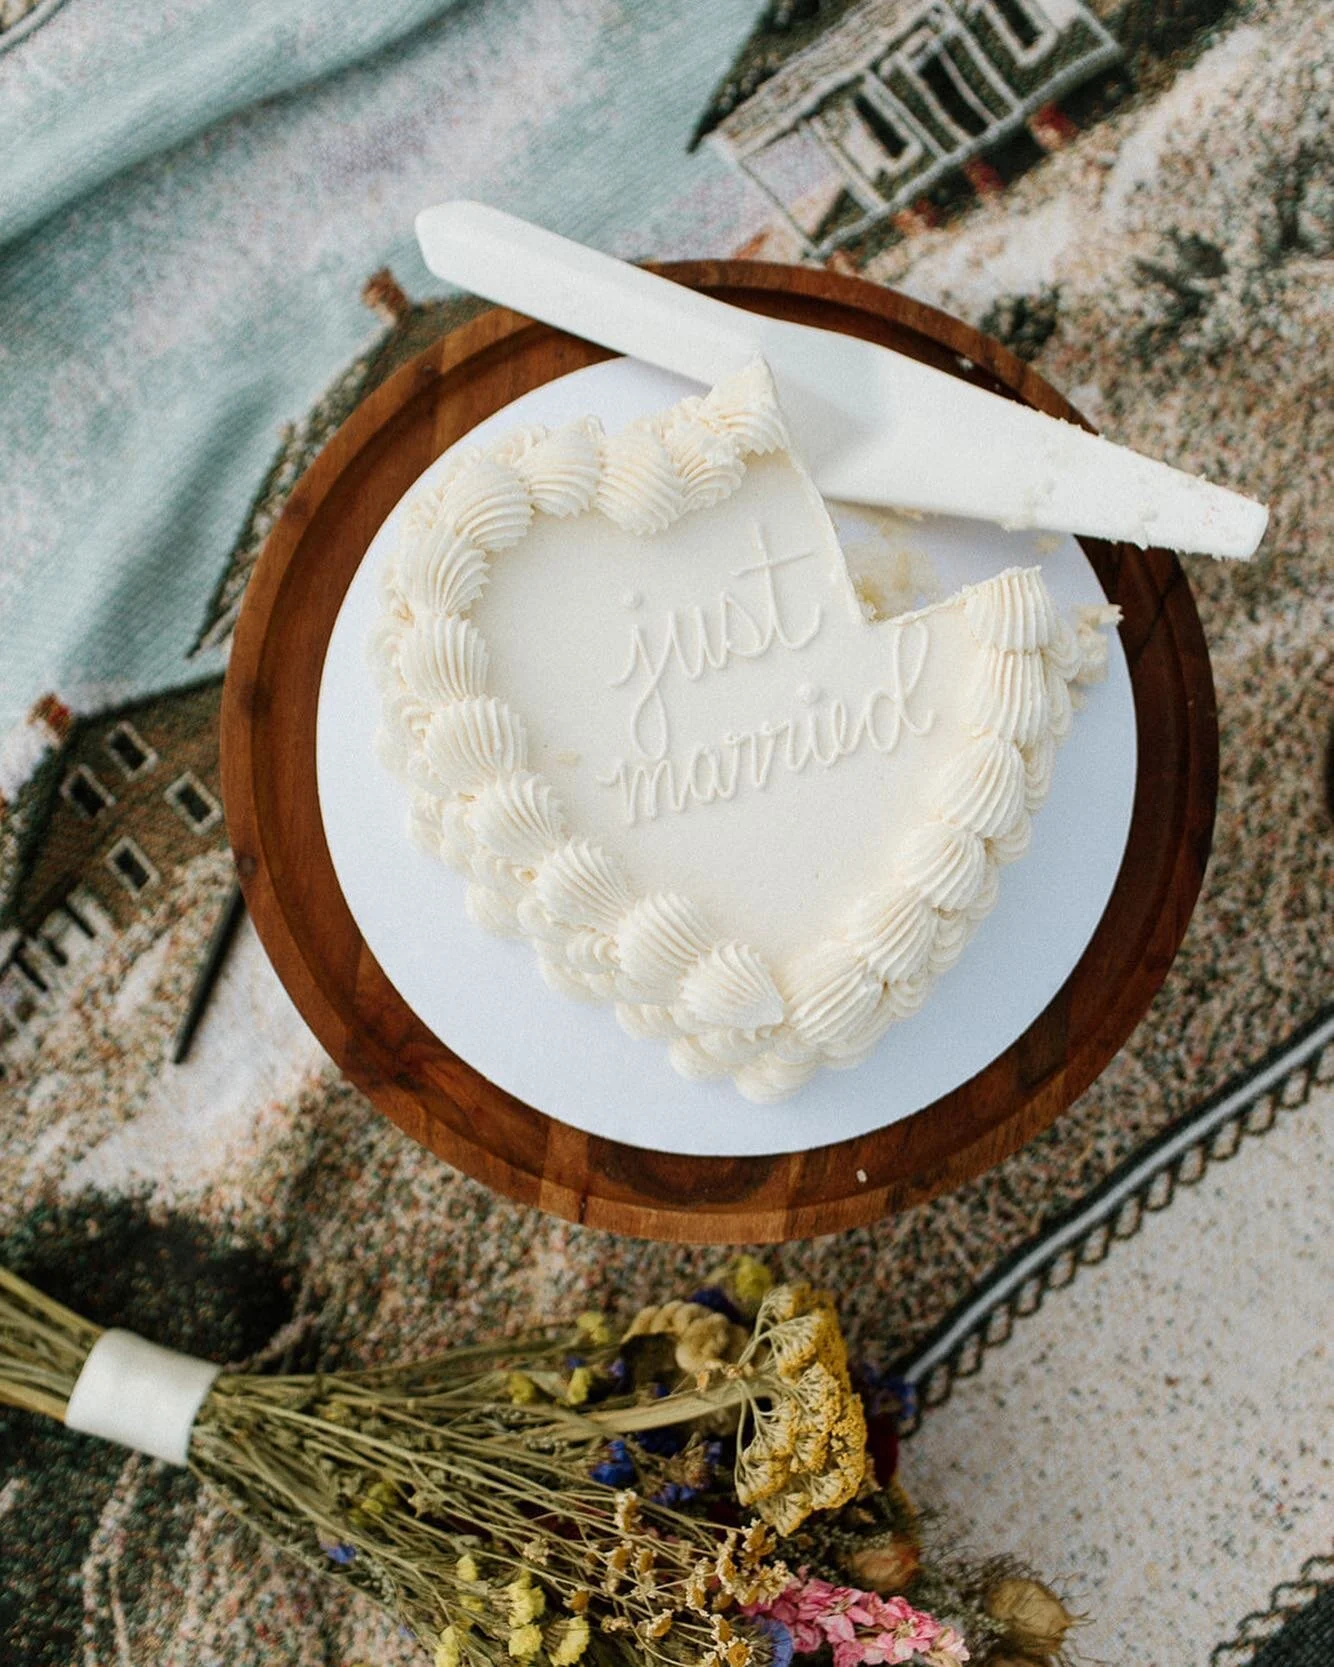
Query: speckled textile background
x=1120, y=1341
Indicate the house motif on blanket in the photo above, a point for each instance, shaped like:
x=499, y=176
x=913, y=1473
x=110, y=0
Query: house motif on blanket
x=412, y=326
x=120, y=800
x=845, y=117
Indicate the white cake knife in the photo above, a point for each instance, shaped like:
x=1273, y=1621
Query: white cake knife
x=872, y=425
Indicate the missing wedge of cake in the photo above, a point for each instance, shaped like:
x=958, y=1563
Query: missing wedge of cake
x=640, y=707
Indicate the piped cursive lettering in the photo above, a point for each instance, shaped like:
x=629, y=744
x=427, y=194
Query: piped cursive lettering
x=825, y=732
x=691, y=641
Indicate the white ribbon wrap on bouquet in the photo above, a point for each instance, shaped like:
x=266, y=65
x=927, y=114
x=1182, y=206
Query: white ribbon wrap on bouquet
x=140, y=1395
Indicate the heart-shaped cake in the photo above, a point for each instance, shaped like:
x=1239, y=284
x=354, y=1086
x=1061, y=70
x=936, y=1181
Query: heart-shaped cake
x=643, y=709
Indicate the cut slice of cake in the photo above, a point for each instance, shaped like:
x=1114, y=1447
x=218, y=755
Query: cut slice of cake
x=642, y=709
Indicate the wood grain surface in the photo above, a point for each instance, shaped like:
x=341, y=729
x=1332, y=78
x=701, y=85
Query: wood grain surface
x=268, y=771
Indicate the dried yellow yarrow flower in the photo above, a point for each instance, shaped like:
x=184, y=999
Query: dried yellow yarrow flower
x=828, y=1492
x=579, y=1386
x=811, y=1449
x=593, y=1328
x=697, y=1588
x=469, y=1575
x=820, y=1394
x=371, y=1507
x=447, y=1650
x=641, y=1325
x=751, y=1280
x=808, y=1449
x=526, y=1601
x=618, y=1560
x=724, y=1566
x=761, y=1477
x=787, y=1511
x=784, y=1302
x=767, y=1582
x=570, y=1643
x=521, y=1389
x=797, y=1342
x=525, y=1642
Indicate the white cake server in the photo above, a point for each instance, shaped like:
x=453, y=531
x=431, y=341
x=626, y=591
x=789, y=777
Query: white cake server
x=873, y=426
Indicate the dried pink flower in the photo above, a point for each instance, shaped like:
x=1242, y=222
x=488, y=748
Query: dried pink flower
x=864, y=1629
x=948, y=1650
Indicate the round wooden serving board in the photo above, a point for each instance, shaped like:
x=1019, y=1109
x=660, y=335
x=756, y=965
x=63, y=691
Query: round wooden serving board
x=268, y=772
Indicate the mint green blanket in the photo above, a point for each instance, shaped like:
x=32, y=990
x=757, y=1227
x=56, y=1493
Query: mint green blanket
x=190, y=200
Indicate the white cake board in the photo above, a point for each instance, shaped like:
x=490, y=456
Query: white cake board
x=484, y=997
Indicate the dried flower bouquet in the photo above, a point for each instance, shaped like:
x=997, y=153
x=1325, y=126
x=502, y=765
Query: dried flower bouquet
x=696, y=1491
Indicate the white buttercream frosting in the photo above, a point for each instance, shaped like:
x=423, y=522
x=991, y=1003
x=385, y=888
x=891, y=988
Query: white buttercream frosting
x=441, y=570
x=424, y=827
x=518, y=818
x=892, y=933
x=581, y=885
x=745, y=407
x=771, y=1078
x=488, y=504
x=661, y=937
x=943, y=864
x=983, y=788
x=1011, y=845
x=485, y=801
x=492, y=911
x=562, y=469
x=1063, y=652
x=469, y=742
x=951, y=937
x=517, y=444
x=1091, y=625
x=709, y=463
x=985, y=899
x=640, y=489
x=1039, y=763
x=833, y=992
x=1009, y=695
x=646, y=1019
x=731, y=988
x=1015, y=612
x=443, y=658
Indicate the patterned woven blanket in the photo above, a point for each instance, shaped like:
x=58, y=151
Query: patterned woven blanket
x=1116, y=1339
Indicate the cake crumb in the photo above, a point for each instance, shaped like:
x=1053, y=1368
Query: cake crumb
x=862, y=1176
x=889, y=577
